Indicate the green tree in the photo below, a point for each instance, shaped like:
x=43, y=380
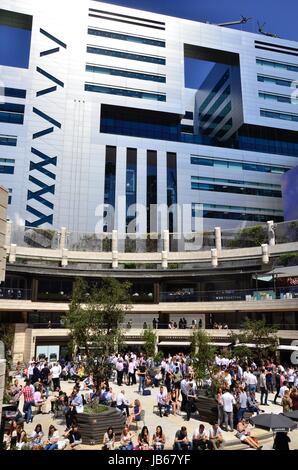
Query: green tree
x=259, y=334
x=203, y=356
x=150, y=342
x=249, y=236
x=95, y=316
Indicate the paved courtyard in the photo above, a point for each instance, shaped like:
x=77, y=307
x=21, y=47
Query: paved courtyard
x=169, y=424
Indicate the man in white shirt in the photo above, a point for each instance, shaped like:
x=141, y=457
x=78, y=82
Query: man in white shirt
x=228, y=402
x=163, y=402
x=200, y=439
x=184, y=390
x=56, y=371
x=122, y=402
x=215, y=436
x=283, y=389
x=251, y=381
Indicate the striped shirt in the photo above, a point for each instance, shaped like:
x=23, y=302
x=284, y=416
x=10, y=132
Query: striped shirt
x=28, y=393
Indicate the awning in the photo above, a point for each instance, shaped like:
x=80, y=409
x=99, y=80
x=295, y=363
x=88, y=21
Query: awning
x=214, y=343
x=289, y=347
x=134, y=342
x=288, y=271
x=174, y=343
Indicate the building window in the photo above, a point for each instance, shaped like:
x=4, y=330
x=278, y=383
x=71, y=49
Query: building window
x=275, y=97
x=277, y=65
x=217, y=87
x=247, y=166
x=126, y=55
x=172, y=189
x=13, y=92
x=279, y=115
x=124, y=92
x=125, y=73
x=110, y=184
x=9, y=140
x=12, y=113
x=9, y=170
x=131, y=186
x=151, y=190
x=275, y=80
x=126, y=37
x=216, y=105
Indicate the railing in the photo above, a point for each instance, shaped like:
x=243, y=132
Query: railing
x=14, y=293
x=230, y=295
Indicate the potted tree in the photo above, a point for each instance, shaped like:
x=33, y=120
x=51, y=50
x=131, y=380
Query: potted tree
x=94, y=319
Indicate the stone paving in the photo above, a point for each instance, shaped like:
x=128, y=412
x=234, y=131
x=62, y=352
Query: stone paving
x=169, y=424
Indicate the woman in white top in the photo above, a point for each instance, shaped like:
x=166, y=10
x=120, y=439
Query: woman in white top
x=109, y=440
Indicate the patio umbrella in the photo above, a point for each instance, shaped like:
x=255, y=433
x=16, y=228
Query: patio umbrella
x=292, y=415
x=276, y=423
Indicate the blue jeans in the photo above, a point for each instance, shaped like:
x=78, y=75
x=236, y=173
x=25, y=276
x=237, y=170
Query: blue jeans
x=241, y=412
x=182, y=446
x=252, y=388
x=141, y=383
x=28, y=411
x=51, y=446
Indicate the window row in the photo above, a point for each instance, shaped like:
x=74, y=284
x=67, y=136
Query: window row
x=279, y=115
x=12, y=113
x=235, y=190
x=126, y=55
x=277, y=65
x=228, y=126
x=9, y=170
x=240, y=216
x=277, y=81
x=13, y=92
x=125, y=73
x=274, y=97
x=238, y=165
x=239, y=182
x=7, y=160
x=125, y=92
x=126, y=37
x=219, y=118
x=8, y=140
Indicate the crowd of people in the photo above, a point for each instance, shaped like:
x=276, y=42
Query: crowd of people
x=176, y=392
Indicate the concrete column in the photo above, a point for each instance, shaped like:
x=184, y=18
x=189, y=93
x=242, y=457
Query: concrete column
x=156, y=293
x=64, y=259
x=115, y=259
x=114, y=240
x=166, y=241
x=34, y=290
x=164, y=259
x=12, y=254
x=271, y=233
x=217, y=231
x=214, y=259
x=265, y=253
x=2, y=379
x=8, y=233
x=63, y=234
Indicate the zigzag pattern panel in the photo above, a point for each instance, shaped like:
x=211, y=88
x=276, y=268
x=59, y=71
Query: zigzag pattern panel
x=44, y=188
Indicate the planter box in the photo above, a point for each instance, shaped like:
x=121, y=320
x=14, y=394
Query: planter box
x=93, y=426
x=207, y=407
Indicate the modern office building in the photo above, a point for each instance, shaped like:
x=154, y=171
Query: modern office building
x=290, y=194
x=94, y=111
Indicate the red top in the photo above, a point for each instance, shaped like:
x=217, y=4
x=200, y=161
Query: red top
x=27, y=392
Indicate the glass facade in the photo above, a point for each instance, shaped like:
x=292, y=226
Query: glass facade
x=223, y=188
x=125, y=73
x=216, y=105
x=131, y=186
x=9, y=170
x=126, y=55
x=151, y=188
x=9, y=140
x=13, y=92
x=126, y=37
x=219, y=118
x=172, y=188
x=12, y=113
x=279, y=115
x=274, y=97
x=234, y=165
x=277, y=65
x=241, y=213
x=217, y=87
x=110, y=184
x=275, y=80
x=124, y=92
